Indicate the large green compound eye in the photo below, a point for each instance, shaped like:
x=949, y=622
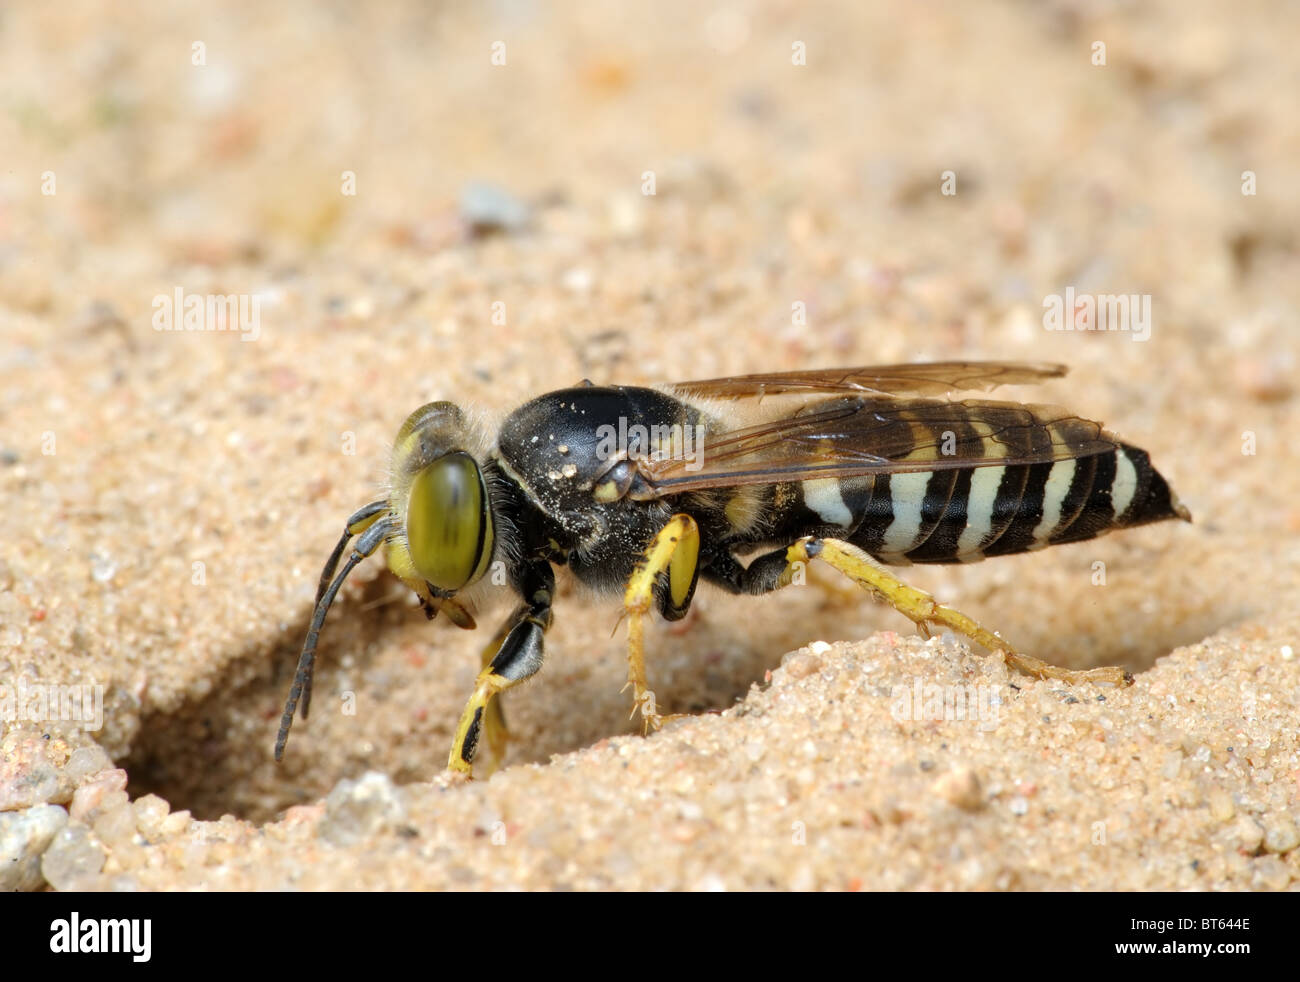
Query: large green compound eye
x=448, y=522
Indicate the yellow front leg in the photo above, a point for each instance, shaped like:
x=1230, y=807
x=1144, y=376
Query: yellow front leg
x=674, y=551
x=513, y=656
x=923, y=609
x=495, y=733
x=475, y=719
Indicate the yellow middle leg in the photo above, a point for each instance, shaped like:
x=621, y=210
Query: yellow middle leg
x=674, y=551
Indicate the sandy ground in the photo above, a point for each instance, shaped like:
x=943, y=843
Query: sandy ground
x=171, y=496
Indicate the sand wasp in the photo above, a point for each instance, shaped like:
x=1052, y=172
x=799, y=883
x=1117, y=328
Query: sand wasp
x=649, y=490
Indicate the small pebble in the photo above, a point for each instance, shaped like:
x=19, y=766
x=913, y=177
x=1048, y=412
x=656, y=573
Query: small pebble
x=1172, y=763
x=175, y=823
x=23, y=837
x=357, y=809
x=1221, y=807
x=150, y=813
x=102, y=568
x=627, y=215
x=1264, y=379
x=1280, y=834
x=1270, y=873
x=87, y=761
x=31, y=768
x=486, y=208
x=116, y=825
x=105, y=791
x=578, y=280
x=72, y=857
x=801, y=664
x=35, y=785
x=961, y=789
x=1248, y=834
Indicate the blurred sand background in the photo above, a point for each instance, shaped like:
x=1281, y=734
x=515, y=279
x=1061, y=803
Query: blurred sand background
x=169, y=498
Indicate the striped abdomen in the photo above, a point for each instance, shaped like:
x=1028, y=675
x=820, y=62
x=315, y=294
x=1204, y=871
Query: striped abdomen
x=966, y=514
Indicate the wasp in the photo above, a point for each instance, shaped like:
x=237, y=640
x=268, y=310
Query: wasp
x=739, y=482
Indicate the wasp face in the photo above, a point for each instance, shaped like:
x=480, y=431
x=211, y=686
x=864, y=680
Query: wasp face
x=441, y=499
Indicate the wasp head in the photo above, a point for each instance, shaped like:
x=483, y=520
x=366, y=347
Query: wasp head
x=440, y=499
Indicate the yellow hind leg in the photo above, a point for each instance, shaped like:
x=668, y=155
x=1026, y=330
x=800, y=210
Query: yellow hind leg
x=924, y=610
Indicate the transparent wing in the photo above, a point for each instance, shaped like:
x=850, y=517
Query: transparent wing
x=851, y=437
x=927, y=379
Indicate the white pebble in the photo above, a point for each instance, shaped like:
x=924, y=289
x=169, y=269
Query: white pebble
x=24, y=836
x=72, y=857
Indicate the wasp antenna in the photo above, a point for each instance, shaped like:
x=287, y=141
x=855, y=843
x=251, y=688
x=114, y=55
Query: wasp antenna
x=358, y=523
x=360, y=520
x=301, y=689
